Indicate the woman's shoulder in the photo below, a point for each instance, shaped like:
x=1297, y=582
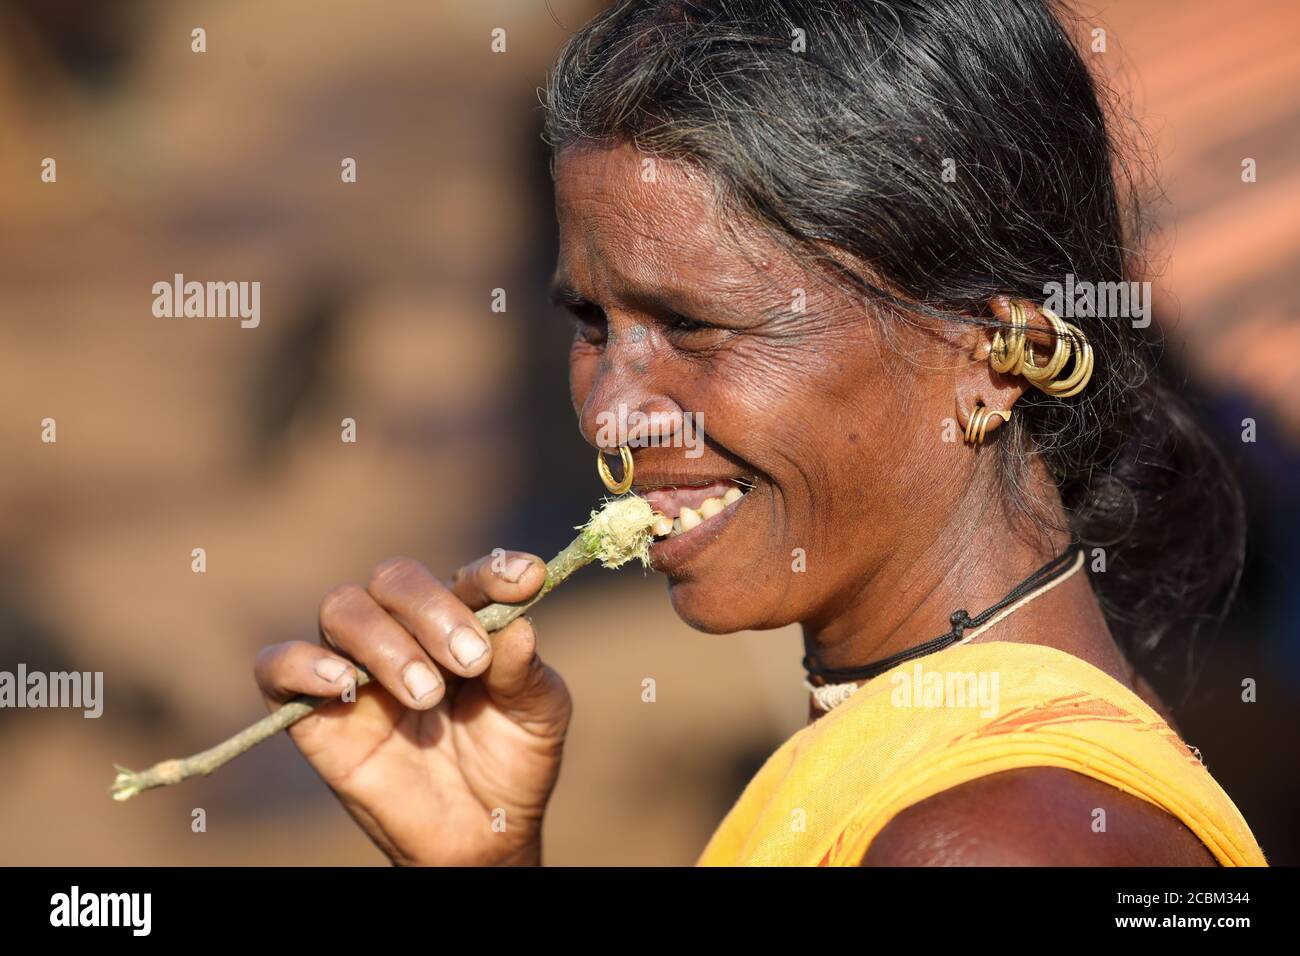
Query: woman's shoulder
x=983, y=755
x=1064, y=766
x=1036, y=816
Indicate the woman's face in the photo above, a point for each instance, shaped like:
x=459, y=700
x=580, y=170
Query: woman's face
x=837, y=437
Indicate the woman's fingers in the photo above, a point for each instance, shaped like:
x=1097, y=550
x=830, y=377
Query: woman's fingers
x=403, y=627
x=286, y=670
x=506, y=577
x=353, y=623
x=522, y=686
x=444, y=626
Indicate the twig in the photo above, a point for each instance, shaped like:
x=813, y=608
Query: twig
x=616, y=534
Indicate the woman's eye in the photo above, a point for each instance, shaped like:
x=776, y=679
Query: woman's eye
x=588, y=323
x=680, y=323
x=692, y=332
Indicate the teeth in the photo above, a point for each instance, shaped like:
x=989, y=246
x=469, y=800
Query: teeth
x=690, y=518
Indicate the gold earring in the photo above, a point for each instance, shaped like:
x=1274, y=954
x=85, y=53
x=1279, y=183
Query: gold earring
x=1042, y=375
x=1081, y=374
x=1013, y=354
x=1009, y=344
x=979, y=422
x=602, y=468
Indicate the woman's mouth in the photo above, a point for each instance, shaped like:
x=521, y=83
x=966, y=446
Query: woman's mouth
x=682, y=508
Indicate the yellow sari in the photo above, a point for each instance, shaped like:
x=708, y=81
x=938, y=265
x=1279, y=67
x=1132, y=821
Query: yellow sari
x=932, y=724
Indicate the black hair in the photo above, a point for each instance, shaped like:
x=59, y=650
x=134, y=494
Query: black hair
x=829, y=121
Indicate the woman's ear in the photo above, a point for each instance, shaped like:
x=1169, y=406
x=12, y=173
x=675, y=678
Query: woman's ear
x=977, y=383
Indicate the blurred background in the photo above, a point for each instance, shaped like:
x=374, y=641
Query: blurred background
x=376, y=306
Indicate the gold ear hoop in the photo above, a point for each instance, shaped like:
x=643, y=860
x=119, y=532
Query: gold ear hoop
x=1009, y=344
x=1043, y=375
x=1013, y=354
x=1079, y=377
x=602, y=469
x=979, y=422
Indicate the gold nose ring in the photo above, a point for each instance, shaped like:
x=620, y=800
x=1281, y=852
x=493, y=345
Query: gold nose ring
x=602, y=468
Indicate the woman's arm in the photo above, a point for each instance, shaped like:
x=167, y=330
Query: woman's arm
x=1039, y=816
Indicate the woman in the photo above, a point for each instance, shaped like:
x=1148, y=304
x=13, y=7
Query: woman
x=830, y=229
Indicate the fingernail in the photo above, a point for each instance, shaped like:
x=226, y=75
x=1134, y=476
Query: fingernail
x=331, y=668
x=515, y=569
x=466, y=645
x=420, y=679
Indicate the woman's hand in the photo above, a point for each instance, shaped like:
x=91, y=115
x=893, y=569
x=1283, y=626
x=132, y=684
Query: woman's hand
x=449, y=755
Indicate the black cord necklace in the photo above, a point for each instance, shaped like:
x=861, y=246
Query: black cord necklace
x=959, y=620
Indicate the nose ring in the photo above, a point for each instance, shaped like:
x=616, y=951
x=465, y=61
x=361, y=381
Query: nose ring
x=602, y=468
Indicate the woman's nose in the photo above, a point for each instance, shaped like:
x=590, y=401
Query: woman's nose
x=628, y=403
x=615, y=415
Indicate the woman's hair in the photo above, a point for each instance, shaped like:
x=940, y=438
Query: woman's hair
x=830, y=121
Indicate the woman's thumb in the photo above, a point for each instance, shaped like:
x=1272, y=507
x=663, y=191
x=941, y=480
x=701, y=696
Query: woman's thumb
x=524, y=688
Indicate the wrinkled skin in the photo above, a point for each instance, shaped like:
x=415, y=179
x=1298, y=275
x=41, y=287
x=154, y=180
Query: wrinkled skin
x=863, y=524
